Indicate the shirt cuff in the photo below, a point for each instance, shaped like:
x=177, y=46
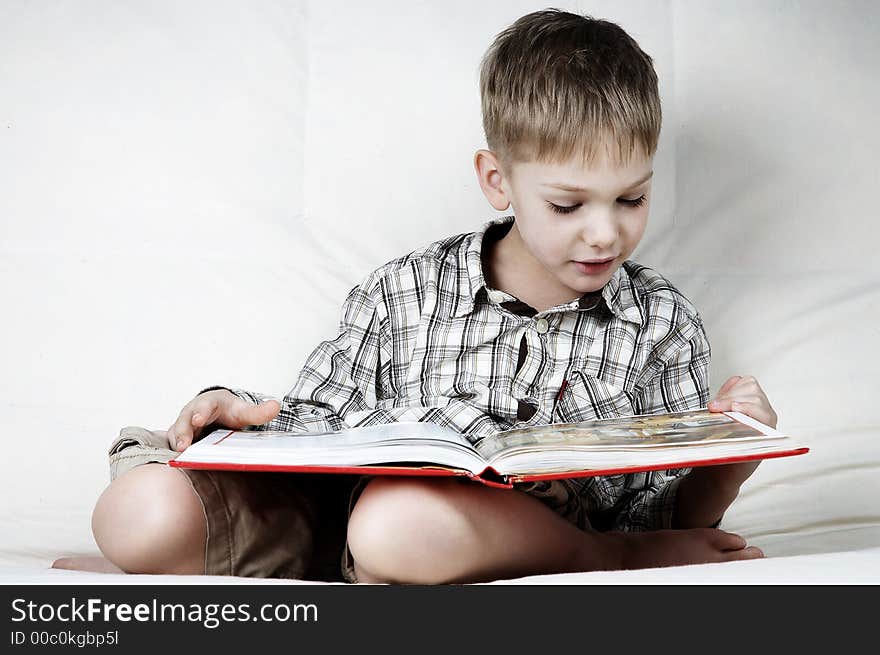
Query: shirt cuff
x=215, y=388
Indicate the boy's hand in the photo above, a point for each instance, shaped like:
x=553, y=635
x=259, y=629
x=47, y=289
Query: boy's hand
x=218, y=406
x=744, y=395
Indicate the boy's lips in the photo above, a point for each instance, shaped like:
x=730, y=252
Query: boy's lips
x=592, y=267
x=594, y=261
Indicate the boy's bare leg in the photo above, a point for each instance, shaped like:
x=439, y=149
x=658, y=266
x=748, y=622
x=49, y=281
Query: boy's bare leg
x=148, y=520
x=426, y=531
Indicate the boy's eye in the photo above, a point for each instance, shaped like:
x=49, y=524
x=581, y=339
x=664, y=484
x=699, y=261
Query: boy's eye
x=562, y=210
x=634, y=202
x=629, y=202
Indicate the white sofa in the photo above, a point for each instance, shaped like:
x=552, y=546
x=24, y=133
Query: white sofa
x=188, y=191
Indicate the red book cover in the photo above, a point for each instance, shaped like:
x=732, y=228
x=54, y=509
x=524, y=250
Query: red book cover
x=540, y=452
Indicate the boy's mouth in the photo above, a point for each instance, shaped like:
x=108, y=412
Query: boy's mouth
x=596, y=261
x=594, y=266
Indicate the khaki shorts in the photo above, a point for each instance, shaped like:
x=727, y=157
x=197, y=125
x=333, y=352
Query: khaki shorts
x=261, y=524
x=285, y=525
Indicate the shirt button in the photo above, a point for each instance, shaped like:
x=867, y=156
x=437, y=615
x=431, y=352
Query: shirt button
x=541, y=326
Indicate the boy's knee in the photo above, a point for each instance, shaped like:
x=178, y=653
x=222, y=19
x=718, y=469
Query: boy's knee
x=400, y=525
x=149, y=520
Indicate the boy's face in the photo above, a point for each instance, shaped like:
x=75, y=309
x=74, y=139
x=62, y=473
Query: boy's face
x=556, y=231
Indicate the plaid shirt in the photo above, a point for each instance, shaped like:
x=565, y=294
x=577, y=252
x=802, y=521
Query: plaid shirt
x=423, y=338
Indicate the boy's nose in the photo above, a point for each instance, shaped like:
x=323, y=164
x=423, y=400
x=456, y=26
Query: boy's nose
x=599, y=232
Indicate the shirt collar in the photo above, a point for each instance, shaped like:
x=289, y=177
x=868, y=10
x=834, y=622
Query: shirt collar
x=621, y=297
x=619, y=293
x=470, y=267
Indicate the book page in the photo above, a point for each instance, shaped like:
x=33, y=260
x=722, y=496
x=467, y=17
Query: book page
x=360, y=436
x=401, y=442
x=630, y=433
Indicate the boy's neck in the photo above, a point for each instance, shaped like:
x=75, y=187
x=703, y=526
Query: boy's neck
x=508, y=266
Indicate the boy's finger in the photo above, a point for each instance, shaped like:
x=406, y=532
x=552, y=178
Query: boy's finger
x=196, y=414
x=727, y=386
x=721, y=405
x=755, y=409
x=178, y=436
x=752, y=409
x=171, y=438
x=173, y=431
x=184, y=435
x=182, y=431
x=203, y=413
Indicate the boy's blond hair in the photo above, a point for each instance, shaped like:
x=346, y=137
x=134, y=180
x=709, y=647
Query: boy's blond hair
x=555, y=83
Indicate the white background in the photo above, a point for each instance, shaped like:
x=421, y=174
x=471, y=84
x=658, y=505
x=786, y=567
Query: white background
x=189, y=189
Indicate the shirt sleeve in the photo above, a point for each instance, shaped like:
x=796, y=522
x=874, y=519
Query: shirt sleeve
x=680, y=384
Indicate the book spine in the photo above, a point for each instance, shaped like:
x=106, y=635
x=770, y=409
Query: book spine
x=492, y=478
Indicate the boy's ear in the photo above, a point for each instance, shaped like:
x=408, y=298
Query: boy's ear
x=491, y=179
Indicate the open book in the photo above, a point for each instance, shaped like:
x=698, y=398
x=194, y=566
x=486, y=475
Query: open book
x=559, y=450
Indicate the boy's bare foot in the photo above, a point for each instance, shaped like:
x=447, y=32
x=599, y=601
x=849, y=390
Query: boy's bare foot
x=96, y=564
x=641, y=550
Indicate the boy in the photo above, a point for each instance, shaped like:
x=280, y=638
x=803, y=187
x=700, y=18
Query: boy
x=534, y=318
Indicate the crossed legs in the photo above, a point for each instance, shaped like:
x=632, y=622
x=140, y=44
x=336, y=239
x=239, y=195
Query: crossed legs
x=441, y=530
x=401, y=530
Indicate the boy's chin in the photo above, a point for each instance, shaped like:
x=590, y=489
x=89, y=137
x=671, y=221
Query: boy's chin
x=589, y=283
x=581, y=289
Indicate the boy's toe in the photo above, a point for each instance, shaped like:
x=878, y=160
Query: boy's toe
x=94, y=564
x=746, y=553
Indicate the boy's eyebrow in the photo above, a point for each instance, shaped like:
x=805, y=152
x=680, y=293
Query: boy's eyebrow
x=568, y=187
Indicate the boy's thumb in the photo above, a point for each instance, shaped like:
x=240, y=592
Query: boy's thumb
x=257, y=414
x=270, y=407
